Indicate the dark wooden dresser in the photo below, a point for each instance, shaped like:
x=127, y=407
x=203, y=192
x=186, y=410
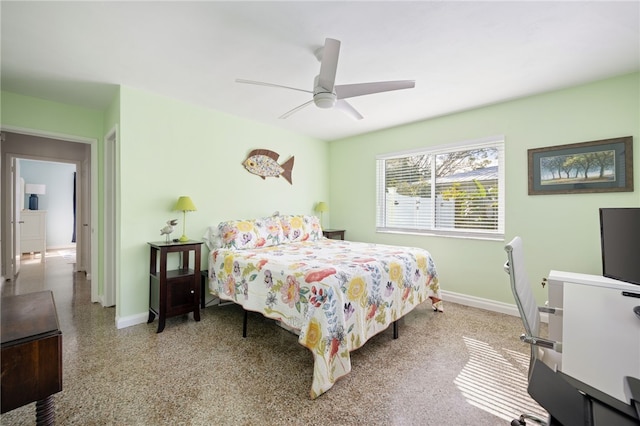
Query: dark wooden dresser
x=31, y=353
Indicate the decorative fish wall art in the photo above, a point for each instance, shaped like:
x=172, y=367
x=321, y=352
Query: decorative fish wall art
x=264, y=163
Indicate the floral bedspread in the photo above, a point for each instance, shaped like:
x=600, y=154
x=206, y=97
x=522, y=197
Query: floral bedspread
x=338, y=294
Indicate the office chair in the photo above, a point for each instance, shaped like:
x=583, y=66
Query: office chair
x=542, y=349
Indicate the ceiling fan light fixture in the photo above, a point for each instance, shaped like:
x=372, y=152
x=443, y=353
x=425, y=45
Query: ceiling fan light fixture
x=324, y=100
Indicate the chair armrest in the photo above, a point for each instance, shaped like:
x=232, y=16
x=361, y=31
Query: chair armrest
x=541, y=341
x=550, y=310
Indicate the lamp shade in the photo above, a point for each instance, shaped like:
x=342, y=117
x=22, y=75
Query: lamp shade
x=322, y=207
x=35, y=188
x=185, y=204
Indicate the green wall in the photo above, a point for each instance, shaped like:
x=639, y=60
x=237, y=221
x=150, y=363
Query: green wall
x=53, y=117
x=560, y=232
x=169, y=148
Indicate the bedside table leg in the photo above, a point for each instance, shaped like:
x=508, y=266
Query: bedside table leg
x=160, y=324
x=152, y=316
x=244, y=324
x=203, y=283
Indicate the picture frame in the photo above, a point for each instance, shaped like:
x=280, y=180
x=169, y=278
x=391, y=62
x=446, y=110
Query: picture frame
x=596, y=166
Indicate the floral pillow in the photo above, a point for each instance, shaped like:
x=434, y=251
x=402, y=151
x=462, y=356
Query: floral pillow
x=248, y=234
x=239, y=234
x=301, y=228
x=270, y=232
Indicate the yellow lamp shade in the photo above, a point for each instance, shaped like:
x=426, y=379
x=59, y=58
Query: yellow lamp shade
x=185, y=204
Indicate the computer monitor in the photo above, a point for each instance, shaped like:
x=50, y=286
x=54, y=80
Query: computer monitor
x=620, y=243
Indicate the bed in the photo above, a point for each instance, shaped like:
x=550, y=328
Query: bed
x=335, y=294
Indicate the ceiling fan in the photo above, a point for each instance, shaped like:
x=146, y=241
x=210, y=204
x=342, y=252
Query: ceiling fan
x=327, y=94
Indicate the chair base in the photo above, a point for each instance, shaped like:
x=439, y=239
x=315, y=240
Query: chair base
x=522, y=420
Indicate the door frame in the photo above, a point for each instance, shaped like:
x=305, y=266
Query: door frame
x=93, y=185
x=111, y=201
x=15, y=218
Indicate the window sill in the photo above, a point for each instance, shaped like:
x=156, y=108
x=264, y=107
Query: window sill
x=446, y=234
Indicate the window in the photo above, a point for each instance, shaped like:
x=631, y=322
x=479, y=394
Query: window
x=455, y=190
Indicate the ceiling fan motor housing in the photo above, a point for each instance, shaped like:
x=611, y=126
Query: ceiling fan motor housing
x=324, y=99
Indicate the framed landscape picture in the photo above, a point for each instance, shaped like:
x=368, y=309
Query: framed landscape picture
x=597, y=166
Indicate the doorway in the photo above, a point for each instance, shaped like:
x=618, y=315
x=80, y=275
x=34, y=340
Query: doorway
x=37, y=145
x=51, y=190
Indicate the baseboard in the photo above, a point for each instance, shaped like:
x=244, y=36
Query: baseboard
x=62, y=247
x=486, y=304
x=132, y=320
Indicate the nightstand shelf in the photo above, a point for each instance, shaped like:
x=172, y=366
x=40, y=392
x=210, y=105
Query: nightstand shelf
x=334, y=233
x=177, y=291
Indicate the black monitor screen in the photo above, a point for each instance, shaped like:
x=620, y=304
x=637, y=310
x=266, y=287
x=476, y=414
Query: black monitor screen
x=620, y=239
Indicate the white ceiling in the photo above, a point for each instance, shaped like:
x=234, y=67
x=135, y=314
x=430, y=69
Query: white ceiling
x=461, y=54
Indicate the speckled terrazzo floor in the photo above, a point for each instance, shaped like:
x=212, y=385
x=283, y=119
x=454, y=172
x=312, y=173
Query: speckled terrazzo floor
x=462, y=367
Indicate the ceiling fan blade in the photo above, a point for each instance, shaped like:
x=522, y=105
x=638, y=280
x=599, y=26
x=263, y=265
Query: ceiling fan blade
x=348, y=109
x=329, y=64
x=260, y=83
x=344, y=91
x=296, y=109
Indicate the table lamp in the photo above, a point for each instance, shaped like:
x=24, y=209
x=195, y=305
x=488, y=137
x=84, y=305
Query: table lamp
x=322, y=207
x=185, y=205
x=34, y=189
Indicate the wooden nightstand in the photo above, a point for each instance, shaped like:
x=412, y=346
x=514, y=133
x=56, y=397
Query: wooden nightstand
x=174, y=292
x=334, y=233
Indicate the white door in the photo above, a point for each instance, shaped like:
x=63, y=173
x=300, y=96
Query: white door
x=87, y=223
x=17, y=201
x=83, y=217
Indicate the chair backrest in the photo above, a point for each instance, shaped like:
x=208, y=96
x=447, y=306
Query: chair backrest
x=521, y=288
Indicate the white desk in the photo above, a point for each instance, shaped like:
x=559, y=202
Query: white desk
x=599, y=331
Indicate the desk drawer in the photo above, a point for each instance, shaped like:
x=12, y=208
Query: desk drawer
x=31, y=371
